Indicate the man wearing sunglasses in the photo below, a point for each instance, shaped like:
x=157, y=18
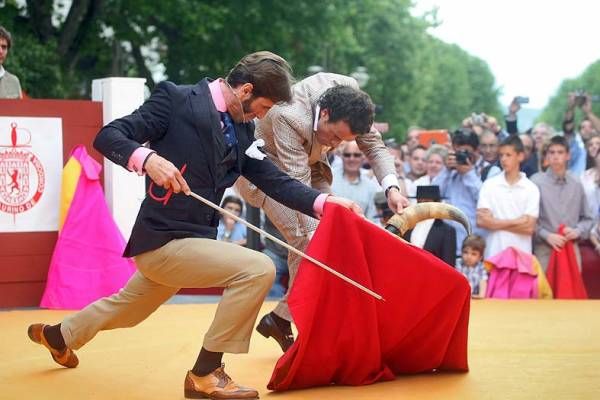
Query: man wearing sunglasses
x=326, y=109
x=352, y=181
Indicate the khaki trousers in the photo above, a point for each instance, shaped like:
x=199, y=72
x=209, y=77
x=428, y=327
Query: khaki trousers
x=245, y=274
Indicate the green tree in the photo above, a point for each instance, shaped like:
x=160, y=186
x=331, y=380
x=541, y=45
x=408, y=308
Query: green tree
x=61, y=46
x=588, y=81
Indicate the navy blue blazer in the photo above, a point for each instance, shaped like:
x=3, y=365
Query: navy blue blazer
x=182, y=125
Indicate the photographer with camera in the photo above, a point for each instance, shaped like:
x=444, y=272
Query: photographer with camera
x=580, y=99
x=590, y=123
x=482, y=122
x=458, y=181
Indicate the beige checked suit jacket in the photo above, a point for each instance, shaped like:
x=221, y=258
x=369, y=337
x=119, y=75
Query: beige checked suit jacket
x=290, y=143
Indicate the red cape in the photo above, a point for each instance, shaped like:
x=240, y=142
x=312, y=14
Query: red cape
x=348, y=337
x=563, y=273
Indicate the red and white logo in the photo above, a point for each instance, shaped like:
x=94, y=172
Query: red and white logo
x=22, y=177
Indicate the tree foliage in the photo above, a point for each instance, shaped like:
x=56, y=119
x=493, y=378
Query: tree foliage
x=60, y=46
x=588, y=81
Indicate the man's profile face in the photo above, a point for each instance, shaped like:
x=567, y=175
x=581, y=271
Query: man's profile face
x=332, y=133
x=3, y=50
x=243, y=106
x=256, y=107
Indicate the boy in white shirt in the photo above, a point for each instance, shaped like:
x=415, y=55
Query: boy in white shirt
x=509, y=203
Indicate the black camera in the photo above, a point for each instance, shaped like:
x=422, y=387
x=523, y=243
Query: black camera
x=462, y=157
x=580, y=97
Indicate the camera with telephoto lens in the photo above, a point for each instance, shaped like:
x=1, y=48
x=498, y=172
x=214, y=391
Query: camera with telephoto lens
x=462, y=157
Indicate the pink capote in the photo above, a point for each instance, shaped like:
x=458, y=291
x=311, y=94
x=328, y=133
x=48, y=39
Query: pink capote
x=513, y=276
x=87, y=262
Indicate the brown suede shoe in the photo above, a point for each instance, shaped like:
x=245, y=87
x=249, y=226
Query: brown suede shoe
x=216, y=385
x=66, y=357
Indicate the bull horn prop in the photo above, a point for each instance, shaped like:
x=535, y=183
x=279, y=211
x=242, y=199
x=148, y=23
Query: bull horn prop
x=399, y=224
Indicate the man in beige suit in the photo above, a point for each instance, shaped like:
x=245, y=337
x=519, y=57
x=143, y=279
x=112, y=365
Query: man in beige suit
x=325, y=110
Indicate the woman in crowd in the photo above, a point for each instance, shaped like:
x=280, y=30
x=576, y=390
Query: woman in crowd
x=435, y=159
x=591, y=177
x=592, y=147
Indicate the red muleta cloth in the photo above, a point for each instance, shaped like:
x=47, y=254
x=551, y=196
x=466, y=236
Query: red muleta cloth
x=563, y=273
x=346, y=336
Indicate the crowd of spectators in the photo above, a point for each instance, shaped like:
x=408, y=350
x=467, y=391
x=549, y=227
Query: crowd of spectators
x=516, y=188
x=534, y=190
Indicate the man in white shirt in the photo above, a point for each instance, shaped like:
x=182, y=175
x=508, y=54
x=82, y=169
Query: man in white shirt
x=509, y=203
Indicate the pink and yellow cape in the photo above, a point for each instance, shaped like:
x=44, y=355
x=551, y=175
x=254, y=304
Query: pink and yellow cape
x=87, y=262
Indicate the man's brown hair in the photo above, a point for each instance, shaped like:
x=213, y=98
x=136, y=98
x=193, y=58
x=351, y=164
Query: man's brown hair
x=4, y=34
x=270, y=75
x=475, y=242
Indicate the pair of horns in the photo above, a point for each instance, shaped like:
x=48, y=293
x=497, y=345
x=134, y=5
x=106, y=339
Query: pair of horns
x=399, y=224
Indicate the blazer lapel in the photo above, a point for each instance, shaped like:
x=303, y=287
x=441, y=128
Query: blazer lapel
x=208, y=124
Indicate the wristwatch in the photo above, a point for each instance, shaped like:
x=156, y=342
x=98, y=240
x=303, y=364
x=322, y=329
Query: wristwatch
x=390, y=187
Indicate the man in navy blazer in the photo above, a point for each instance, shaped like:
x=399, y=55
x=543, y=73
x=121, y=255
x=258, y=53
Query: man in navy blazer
x=197, y=139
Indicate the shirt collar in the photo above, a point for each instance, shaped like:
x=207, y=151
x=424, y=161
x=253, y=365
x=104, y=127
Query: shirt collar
x=317, y=111
x=520, y=182
x=555, y=177
x=217, y=95
x=2, y=71
x=357, y=181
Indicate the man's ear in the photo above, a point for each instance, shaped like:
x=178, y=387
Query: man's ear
x=246, y=91
x=324, y=113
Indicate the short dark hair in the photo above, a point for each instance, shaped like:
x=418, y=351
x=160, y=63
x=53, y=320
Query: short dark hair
x=559, y=141
x=4, y=34
x=467, y=137
x=418, y=147
x=514, y=141
x=475, y=242
x=350, y=105
x=233, y=199
x=269, y=74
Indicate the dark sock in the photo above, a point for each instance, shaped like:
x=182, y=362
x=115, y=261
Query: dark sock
x=283, y=324
x=207, y=362
x=54, y=337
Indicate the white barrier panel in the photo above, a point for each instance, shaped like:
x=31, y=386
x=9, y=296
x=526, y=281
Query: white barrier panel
x=124, y=190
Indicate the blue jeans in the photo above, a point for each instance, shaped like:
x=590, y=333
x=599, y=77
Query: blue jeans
x=281, y=274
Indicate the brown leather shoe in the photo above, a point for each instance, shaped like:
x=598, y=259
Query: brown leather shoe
x=269, y=328
x=66, y=357
x=216, y=385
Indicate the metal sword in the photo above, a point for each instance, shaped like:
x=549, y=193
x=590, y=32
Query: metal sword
x=287, y=246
